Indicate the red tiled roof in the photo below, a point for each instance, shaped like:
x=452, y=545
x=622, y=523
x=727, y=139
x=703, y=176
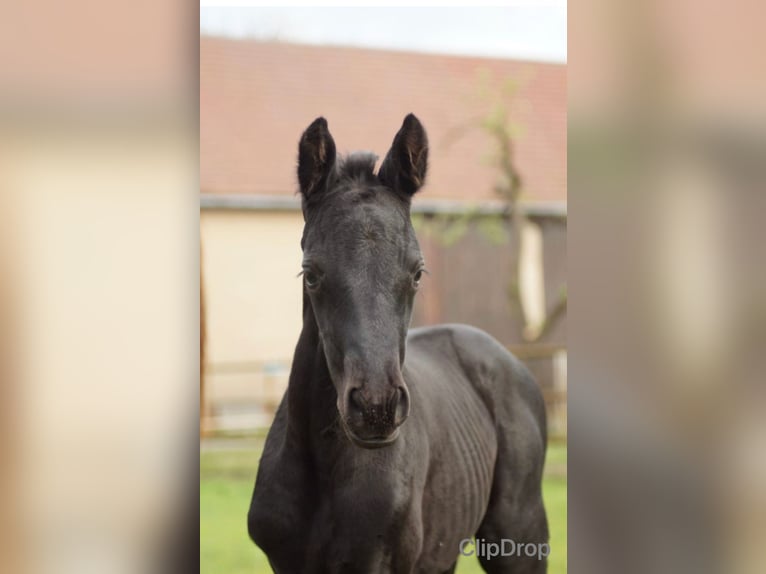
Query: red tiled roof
x=256, y=98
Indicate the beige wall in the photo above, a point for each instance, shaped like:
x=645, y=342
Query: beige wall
x=253, y=297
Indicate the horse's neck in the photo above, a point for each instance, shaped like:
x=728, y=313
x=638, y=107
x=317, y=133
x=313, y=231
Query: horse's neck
x=310, y=394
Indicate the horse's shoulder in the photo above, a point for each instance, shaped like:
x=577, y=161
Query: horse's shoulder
x=444, y=330
x=465, y=342
x=483, y=359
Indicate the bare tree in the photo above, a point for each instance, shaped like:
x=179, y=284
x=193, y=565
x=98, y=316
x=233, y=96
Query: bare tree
x=500, y=128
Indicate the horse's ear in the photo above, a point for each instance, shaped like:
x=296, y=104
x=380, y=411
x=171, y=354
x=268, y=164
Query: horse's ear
x=404, y=168
x=316, y=157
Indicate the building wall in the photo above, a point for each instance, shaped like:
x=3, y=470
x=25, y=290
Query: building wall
x=469, y=277
x=251, y=259
x=253, y=294
x=253, y=311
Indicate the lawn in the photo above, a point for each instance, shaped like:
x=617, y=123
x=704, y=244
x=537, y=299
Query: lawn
x=226, y=482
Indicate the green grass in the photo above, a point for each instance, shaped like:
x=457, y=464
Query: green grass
x=226, y=483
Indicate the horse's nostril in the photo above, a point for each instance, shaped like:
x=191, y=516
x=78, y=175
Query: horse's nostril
x=355, y=402
x=402, y=408
x=395, y=400
x=378, y=414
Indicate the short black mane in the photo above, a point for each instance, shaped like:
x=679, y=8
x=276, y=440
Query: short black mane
x=354, y=174
x=358, y=166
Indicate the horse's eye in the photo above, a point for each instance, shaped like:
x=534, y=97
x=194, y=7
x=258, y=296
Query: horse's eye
x=312, y=279
x=416, y=278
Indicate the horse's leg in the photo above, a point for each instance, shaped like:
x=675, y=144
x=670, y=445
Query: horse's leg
x=502, y=523
x=515, y=511
x=523, y=522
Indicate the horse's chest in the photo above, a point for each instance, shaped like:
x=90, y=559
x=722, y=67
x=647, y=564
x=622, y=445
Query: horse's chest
x=413, y=518
x=374, y=529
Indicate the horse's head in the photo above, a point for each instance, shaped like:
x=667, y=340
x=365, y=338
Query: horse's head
x=361, y=268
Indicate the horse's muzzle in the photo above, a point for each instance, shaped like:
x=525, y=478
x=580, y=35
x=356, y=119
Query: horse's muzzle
x=372, y=419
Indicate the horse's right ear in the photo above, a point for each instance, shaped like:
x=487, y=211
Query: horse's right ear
x=316, y=158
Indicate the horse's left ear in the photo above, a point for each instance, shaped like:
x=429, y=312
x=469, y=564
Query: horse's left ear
x=404, y=169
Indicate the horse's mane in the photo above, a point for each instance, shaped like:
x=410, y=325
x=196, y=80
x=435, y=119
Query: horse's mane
x=355, y=168
x=359, y=165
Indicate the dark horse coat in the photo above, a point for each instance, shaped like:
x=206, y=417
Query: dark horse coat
x=344, y=483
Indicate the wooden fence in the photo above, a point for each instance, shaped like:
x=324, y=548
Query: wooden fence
x=242, y=397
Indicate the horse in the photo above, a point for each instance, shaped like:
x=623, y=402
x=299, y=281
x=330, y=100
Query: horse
x=392, y=446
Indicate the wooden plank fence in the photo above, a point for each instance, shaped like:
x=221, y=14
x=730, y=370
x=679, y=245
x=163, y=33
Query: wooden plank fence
x=243, y=396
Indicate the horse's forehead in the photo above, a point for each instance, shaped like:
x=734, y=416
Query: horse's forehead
x=368, y=221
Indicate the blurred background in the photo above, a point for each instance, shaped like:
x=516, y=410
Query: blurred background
x=667, y=174
x=489, y=86
x=99, y=290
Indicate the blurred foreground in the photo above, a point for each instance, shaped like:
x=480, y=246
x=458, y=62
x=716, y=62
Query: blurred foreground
x=667, y=174
x=98, y=299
